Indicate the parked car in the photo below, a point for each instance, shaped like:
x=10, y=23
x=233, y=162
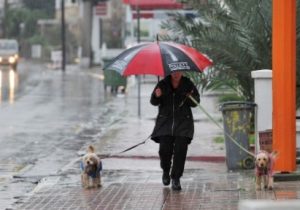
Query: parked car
x=9, y=52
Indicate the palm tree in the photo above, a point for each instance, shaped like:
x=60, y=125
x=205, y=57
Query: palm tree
x=236, y=35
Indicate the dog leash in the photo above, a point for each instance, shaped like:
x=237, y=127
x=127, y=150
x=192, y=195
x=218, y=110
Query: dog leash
x=134, y=146
x=205, y=112
x=218, y=125
x=125, y=150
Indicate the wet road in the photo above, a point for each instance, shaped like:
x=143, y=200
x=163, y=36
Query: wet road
x=46, y=117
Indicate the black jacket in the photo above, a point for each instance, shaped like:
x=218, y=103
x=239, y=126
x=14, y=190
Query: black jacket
x=175, y=116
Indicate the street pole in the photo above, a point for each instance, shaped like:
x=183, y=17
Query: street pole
x=284, y=84
x=4, y=24
x=63, y=35
x=138, y=41
x=86, y=27
x=101, y=32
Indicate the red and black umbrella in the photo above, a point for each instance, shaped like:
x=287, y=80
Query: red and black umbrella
x=158, y=58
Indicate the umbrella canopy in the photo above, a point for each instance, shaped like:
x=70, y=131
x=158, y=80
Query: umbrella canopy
x=158, y=58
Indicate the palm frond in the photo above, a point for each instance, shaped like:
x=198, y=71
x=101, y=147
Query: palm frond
x=235, y=34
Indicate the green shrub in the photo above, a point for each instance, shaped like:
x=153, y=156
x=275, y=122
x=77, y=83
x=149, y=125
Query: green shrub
x=219, y=139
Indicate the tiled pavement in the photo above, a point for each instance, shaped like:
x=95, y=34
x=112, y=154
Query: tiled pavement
x=208, y=188
x=141, y=190
x=133, y=182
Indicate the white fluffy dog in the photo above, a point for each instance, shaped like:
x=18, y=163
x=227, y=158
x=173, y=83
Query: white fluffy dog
x=264, y=163
x=91, y=167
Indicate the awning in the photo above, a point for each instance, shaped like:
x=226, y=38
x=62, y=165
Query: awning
x=154, y=4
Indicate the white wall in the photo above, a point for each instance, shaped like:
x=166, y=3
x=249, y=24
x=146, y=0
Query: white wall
x=263, y=99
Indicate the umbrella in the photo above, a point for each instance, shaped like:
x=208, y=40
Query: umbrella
x=158, y=58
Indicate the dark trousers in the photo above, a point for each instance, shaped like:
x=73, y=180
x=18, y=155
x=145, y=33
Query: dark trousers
x=176, y=148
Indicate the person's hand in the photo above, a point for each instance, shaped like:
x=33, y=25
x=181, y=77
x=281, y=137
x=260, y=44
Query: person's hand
x=189, y=93
x=158, y=92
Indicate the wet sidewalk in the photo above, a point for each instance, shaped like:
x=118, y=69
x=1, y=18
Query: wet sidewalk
x=132, y=180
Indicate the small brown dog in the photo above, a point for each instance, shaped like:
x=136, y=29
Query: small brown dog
x=91, y=167
x=264, y=163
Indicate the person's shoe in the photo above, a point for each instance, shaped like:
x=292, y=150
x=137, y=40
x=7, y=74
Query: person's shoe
x=176, y=184
x=166, y=179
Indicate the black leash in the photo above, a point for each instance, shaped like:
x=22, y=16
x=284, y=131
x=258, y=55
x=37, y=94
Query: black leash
x=143, y=142
x=136, y=145
x=126, y=150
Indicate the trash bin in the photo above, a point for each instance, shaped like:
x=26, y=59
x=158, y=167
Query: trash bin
x=237, y=124
x=113, y=79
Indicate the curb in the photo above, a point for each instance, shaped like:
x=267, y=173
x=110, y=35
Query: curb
x=280, y=177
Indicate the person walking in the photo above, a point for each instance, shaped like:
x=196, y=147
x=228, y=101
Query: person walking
x=174, y=126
